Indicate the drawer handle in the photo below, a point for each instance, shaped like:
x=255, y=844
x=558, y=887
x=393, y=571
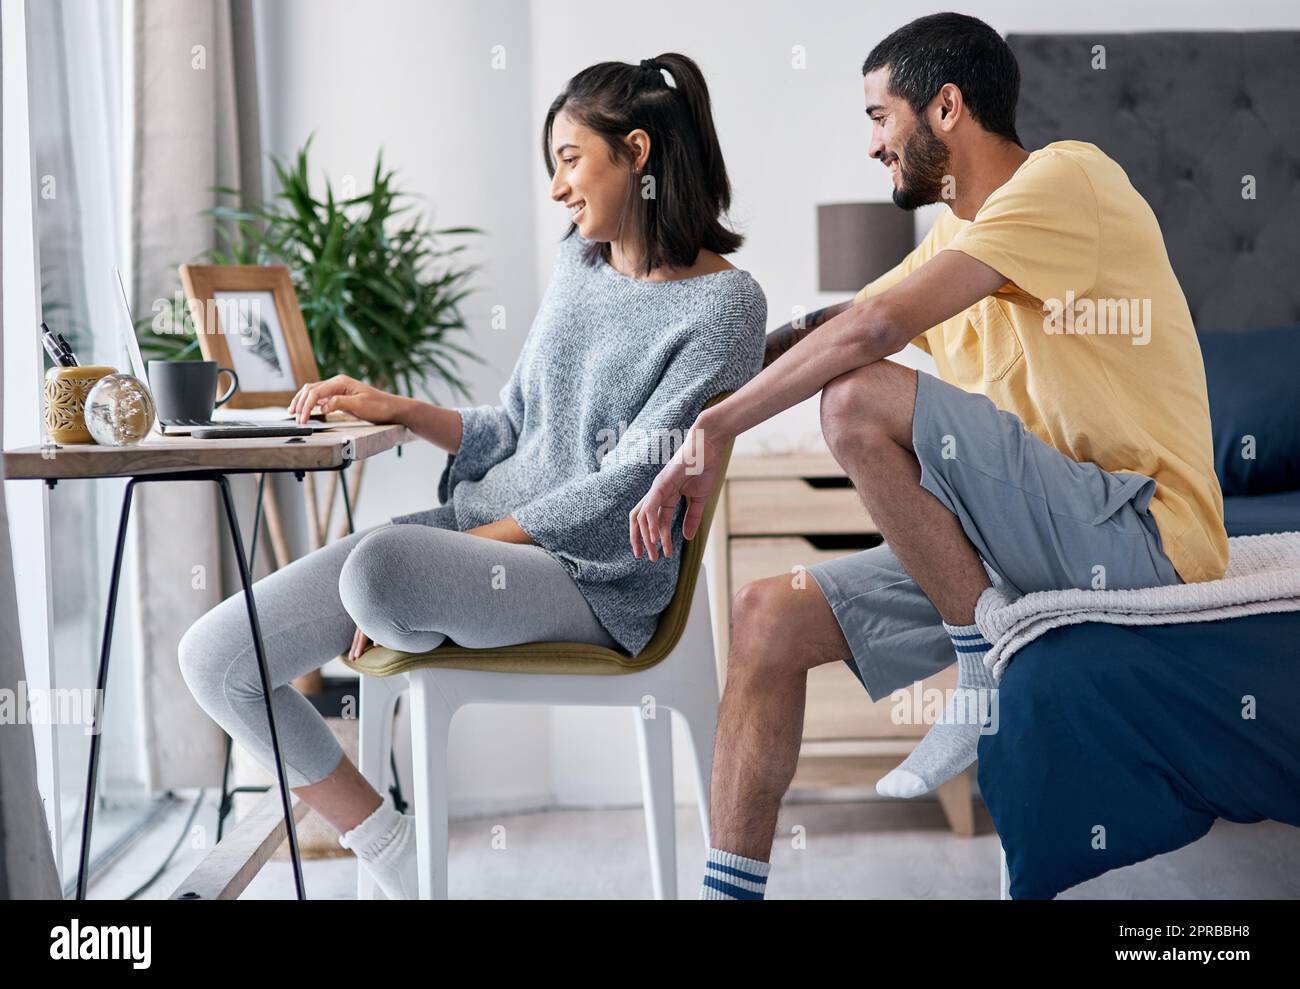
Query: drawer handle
x=828, y=482
x=846, y=541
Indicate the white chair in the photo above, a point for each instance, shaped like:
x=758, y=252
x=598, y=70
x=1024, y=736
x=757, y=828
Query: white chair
x=676, y=671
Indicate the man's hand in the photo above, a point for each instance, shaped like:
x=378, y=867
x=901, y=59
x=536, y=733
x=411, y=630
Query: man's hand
x=693, y=473
x=348, y=395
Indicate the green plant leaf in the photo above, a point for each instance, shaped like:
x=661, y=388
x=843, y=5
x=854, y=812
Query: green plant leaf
x=380, y=298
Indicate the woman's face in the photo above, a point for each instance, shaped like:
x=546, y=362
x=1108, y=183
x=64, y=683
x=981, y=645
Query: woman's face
x=589, y=181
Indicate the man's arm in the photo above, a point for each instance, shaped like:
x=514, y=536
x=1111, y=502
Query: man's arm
x=783, y=338
x=947, y=284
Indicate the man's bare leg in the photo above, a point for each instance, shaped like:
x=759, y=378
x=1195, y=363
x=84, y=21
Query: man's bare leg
x=781, y=627
x=867, y=421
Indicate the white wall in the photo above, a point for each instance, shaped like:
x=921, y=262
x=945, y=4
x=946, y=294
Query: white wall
x=794, y=138
x=415, y=78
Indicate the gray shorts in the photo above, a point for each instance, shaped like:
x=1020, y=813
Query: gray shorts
x=1039, y=520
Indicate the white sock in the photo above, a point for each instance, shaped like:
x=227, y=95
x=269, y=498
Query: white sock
x=728, y=876
x=951, y=744
x=384, y=844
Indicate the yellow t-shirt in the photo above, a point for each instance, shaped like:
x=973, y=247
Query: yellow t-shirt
x=1090, y=341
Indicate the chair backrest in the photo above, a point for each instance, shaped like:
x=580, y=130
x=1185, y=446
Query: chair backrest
x=673, y=620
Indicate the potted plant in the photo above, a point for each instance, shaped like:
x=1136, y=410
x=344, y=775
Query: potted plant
x=379, y=293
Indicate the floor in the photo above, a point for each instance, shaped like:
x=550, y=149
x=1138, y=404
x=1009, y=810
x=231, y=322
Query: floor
x=845, y=850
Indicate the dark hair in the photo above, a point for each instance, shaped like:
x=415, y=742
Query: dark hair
x=691, y=189
x=952, y=48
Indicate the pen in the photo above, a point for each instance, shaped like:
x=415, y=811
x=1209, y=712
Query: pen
x=52, y=350
x=57, y=353
x=67, y=349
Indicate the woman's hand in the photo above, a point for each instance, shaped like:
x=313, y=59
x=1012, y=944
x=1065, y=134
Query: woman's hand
x=346, y=394
x=360, y=643
x=505, y=530
x=693, y=473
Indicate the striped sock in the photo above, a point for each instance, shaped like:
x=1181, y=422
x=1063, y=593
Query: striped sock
x=728, y=876
x=952, y=742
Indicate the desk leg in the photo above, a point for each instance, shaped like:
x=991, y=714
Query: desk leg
x=247, y=579
x=245, y=575
x=223, y=808
x=101, y=683
x=257, y=522
x=347, y=502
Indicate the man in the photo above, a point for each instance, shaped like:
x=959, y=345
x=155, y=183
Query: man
x=1065, y=443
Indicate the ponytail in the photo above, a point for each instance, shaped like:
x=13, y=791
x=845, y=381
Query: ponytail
x=695, y=92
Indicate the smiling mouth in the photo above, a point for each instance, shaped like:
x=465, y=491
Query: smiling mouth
x=576, y=210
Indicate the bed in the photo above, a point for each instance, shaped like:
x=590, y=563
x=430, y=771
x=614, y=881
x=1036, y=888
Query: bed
x=1117, y=743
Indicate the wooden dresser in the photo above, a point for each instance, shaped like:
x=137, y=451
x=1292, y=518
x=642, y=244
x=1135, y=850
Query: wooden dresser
x=777, y=514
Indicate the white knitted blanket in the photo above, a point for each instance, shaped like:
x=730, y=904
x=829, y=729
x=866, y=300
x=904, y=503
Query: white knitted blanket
x=1263, y=575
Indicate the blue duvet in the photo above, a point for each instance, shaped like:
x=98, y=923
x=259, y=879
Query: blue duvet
x=1116, y=743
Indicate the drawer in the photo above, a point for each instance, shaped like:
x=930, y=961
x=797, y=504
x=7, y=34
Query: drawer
x=838, y=706
x=766, y=556
x=796, y=505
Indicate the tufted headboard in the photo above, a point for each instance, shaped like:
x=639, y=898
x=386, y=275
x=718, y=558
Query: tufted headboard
x=1189, y=116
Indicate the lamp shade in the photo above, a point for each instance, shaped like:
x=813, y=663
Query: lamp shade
x=859, y=242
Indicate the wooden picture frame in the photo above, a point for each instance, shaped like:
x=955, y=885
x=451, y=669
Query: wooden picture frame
x=271, y=365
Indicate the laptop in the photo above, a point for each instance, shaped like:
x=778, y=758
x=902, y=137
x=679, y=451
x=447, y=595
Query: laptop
x=204, y=428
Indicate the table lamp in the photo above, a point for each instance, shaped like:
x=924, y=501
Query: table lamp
x=859, y=242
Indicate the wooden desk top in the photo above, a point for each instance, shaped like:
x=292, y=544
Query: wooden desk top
x=331, y=448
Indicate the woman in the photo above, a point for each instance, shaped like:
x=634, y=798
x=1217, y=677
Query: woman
x=642, y=323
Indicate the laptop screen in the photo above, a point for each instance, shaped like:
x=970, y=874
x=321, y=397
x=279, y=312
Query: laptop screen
x=132, y=344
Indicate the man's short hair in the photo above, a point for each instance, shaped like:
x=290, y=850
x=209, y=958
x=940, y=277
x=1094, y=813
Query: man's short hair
x=953, y=48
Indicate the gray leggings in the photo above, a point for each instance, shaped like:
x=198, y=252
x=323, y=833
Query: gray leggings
x=408, y=587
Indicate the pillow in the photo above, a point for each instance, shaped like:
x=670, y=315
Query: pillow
x=1254, y=408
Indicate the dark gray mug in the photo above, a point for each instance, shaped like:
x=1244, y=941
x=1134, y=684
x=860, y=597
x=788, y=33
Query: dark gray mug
x=188, y=389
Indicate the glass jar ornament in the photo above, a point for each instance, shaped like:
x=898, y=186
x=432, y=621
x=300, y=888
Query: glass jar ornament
x=119, y=410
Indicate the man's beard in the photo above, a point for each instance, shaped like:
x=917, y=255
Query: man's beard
x=927, y=167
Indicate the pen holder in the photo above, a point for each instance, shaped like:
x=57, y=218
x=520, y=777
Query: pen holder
x=66, y=389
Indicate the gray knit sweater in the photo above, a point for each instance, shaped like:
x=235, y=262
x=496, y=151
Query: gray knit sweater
x=611, y=376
